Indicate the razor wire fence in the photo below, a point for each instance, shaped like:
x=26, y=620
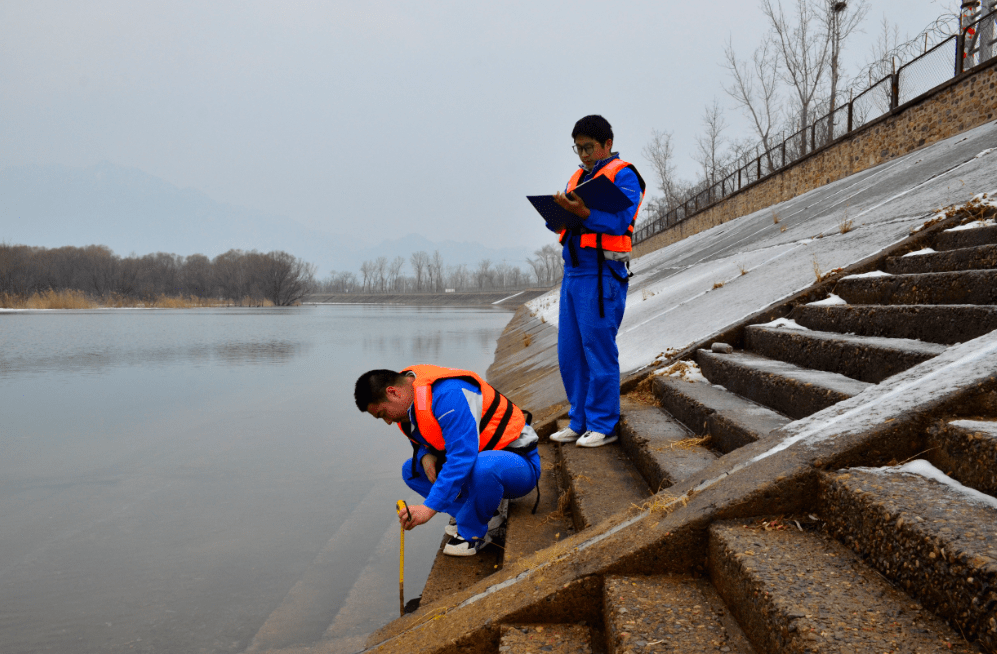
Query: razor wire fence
x=973, y=46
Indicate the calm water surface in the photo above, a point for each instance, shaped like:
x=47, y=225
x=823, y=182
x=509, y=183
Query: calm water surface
x=167, y=477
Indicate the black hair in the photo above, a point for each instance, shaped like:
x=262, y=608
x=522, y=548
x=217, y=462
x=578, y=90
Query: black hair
x=372, y=387
x=595, y=127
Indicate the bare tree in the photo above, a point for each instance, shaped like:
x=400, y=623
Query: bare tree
x=436, y=266
x=367, y=272
x=840, y=20
x=381, y=272
x=419, y=261
x=483, y=275
x=394, y=271
x=709, y=146
x=286, y=279
x=754, y=86
x=660, y=152
x=802, y=50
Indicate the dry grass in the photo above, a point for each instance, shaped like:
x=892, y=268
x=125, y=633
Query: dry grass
x=690, y=443
x=817, y=271
x=782, y=229
x=742, y=268
x=527, y=339
x=775, y=218
x=717, y=285
x=61, y=300
x=846, y=224
x=70, y=299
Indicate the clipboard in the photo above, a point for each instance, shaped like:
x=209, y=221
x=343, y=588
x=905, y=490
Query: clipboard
x=597, y=193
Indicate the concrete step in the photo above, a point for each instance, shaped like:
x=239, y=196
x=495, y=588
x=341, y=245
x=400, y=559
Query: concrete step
x=966, y=450
x=933, y=541
x=553, y=638
x=452, y=574
x=668, y=614
x=866, y=358
x=660, y=447
x=791, y=390
x=979, y=257
x=729, y=419
x=795, y=591
x=961, y=287
x=602, y=482
x=526, y=532
x=945, y=324
x=965, y=238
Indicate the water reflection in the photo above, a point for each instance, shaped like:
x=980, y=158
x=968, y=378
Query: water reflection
x=95, y=361
x=167, y=477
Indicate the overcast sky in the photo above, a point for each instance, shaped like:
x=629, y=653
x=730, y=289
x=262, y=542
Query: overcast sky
x=373, y=118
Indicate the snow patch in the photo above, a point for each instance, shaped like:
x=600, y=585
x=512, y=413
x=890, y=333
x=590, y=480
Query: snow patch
x=686, y=370
x=788, y=323
x=920, y=252
x=976, y=224
x=928, y=471
x=874, y=273
x=985, y=153
x=509, y=298
x=830, y=300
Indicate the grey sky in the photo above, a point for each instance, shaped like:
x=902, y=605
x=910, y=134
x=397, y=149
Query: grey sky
x=374, y=119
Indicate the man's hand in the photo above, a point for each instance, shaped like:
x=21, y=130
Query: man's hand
x=429, y=465
x=572, y=203
x=420, y=514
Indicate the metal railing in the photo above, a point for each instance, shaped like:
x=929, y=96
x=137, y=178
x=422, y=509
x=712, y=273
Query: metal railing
x=973, y=46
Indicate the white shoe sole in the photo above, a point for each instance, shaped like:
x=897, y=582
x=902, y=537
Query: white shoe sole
x=464, y=550
x=564, y=439
x=599, y=443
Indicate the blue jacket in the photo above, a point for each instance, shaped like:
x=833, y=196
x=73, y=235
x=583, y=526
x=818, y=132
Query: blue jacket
x=603, y=222
x=452, y=406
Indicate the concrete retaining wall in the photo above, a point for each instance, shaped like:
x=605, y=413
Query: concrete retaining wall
x=962, y=103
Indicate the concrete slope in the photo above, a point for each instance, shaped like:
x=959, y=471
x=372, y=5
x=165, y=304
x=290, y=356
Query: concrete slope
x=683, y=293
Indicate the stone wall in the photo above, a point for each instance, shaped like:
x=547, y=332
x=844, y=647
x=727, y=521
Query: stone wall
x=963, y=103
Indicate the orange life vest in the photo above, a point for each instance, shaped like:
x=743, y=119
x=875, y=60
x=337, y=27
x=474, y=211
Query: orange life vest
x=590, y=239
x=502, y=422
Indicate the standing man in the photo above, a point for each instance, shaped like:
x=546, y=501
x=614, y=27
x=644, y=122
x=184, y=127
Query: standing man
x=471, y=446
x=594, y=289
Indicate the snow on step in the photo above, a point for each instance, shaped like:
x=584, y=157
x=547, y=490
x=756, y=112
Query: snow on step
x=661, y=448
x=967, y=450
x=970, y=258
x=959, y=287
x=945, y=324
x=866, y=358
x=789, y=389
x=668, y=614
x=729, y=419
x=553, y=638
x=935, y=540
x=796, y=591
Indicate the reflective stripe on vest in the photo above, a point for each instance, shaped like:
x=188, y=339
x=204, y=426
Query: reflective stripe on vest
x=501, y=423
x=610, y=242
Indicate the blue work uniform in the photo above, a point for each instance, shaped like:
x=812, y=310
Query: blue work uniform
x=586, y=342
x=470, y=484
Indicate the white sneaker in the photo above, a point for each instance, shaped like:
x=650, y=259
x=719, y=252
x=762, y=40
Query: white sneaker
x=595, y=439
x=498, y=519
x=566, y=435
x=457, y=546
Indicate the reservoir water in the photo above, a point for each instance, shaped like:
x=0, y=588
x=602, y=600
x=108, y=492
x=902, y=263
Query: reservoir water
x=172, y=480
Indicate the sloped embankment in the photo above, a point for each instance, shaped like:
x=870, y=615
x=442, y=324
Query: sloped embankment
x=783, y=518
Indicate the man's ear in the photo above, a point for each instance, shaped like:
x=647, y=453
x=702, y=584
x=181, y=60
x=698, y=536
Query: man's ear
x=608, y=144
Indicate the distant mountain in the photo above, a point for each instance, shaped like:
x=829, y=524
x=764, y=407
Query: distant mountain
x=131, y=211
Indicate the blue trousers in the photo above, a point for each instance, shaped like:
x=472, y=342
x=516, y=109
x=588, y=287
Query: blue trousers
x=495, y=475
x=587, y=352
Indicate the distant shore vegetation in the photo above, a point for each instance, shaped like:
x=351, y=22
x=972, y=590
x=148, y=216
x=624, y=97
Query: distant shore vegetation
x=94, y=277
x=429, y=273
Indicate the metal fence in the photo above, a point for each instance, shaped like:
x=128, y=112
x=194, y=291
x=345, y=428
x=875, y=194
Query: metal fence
x=975, y=45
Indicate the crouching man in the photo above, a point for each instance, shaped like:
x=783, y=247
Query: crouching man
x=471, y=446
